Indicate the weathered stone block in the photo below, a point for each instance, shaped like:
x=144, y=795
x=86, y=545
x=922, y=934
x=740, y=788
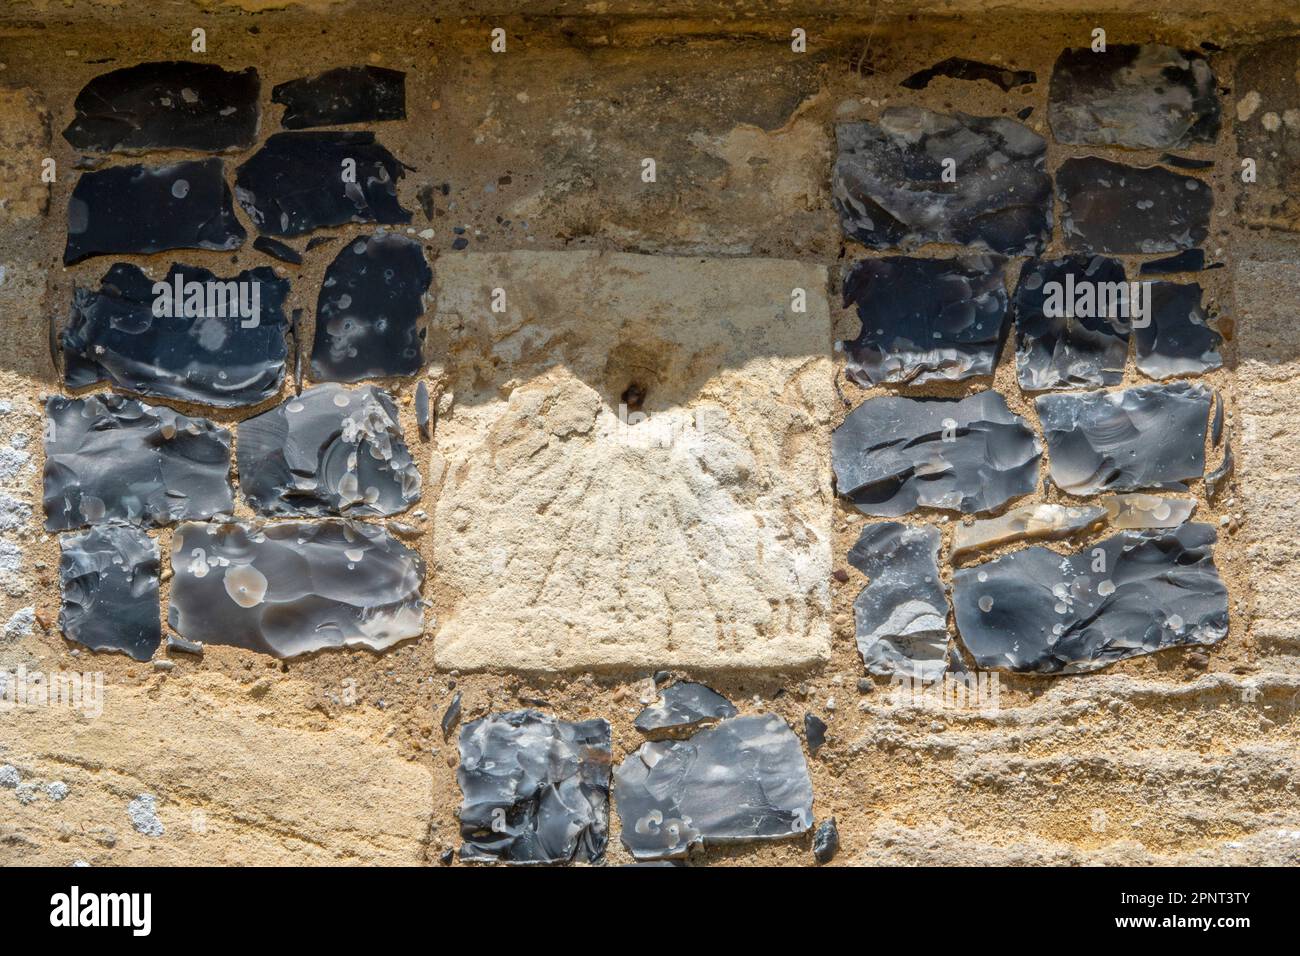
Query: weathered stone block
x=1268, y=131
x=24, y=143
x=635, y=467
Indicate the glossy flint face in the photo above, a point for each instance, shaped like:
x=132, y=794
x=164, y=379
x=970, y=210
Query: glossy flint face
x=684, y=704
x=1110, y=207
x=109, y=582
x=349, y=94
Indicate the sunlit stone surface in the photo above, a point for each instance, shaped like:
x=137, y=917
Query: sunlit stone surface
x=684, y=704
x=892, y=455
x=902, y=613
x=536, y=789
x=1139, y=438
x=298, y=182
x=1131, y=594
x=330, y=450
x=1142, y=97
x=1113, y=208
x=1179, y=339
x=1138, y=511
x=114, y=459
x=1066, y=336
x=128, y=209
x=109, y=581
x=1040, y=522
x=200, y=355
x=368, y=313
x=925, y=319
x=741, y=780
x=890, y=190
x=169, y=105
x=295, y=587
x=349, y=94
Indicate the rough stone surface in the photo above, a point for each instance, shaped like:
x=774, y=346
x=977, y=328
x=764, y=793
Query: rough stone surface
x=692, y=533
x=25, y=138
x=1266, y=117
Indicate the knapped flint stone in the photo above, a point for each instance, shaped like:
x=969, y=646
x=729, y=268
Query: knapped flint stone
x=1140, y=438
x=536, y=789
x=814, y=731
x=330, y=450
x=1140, y=512
x=1216, y=480
x=1034, y=611
x=296, y=183
x=925, y=319
x=113, y=336
x=367, y=316
x=892, y=455
x=422, y=411
x=109, y=580
x=960, y=68
x=281, y=251
x=826, y=841
x=1038, y=522
x=684, y=704
x=1192, y=260
x=114, y=459
x=451, y=716
x=348, y=94
x=1112, y=208
x=168, y=105
x=1071, y=350
x=294, y=587
x=902, y=613
x=142, y=209
x=889, y=191
x=741, y=780
x=1178, y=340
x=1141, y=97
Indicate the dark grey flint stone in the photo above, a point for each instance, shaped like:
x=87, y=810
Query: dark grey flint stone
x=902, y=613
x=925, y=319
x=451, y=716
x=294, y=587
x=296, y=183
x=422, y=409
x=368, y=313
x=892, y=455
x=1147, y=437
x=743, y=779
x=1076, y=349
x=1035, y=611
x=814, y=731
x=1192, y=260
x=129, y=209
x=171, y=105
x=109, y=580
x=206, y=358
x=889, y=191
x=684, y=704
x=1216, y=480
x=1142, y=97
x=281, y=251
x=114, y=459
x=1178, y=340
x=331, y=450
x=826, y=841
x=536, y=789
x=349, y=94
x=1112, y=208
x=960, y=68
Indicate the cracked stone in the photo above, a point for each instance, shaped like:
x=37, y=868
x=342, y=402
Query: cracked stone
x=1139, y=512
x=684, y=704
x=1069, y=333
x=1140, y=97
x=294, y=587
x=109, y=581
x=209, y=355
x=330, y=450
x=892, y=455
x=744, y=779
x=368, y=313
x=298, y=182
x=110, y=458
x=348, y=94
x=960, y=68
x=902, y=613
x=1151, y=437
x=168, y=105
x=889, y=182
x=1038, y=522
x=1178, y=340
x=925, y=319
x=536, y=789
x=1135, y=593
x=1113, y=208
x=142, y=209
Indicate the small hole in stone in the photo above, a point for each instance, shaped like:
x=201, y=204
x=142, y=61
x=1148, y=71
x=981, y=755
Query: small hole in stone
x=633, y=397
